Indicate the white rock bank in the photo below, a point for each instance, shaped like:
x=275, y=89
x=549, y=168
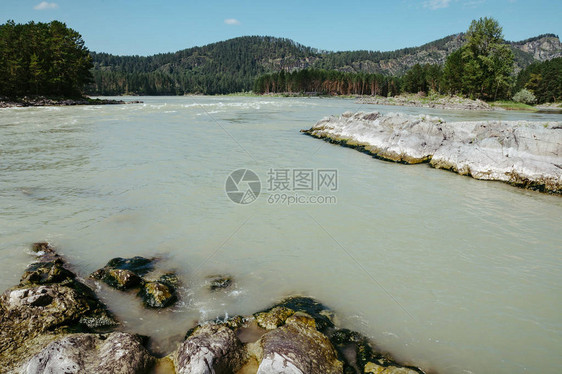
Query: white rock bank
x=522, y=153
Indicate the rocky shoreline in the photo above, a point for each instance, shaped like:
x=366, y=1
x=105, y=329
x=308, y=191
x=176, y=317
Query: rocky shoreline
x=44, y=101
x=441, y=102
x=521, y=153
x=53, y=322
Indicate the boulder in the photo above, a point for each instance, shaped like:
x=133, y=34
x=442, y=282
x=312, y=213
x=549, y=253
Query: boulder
x=157, y=294
x=44, y=306
x=114, y=353
x=124, y=273
x=277, y=314
x=211, y=348
x=298, y=347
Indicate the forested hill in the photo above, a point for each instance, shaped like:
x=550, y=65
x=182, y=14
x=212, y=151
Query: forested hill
x=223, y=67
x=233, y=65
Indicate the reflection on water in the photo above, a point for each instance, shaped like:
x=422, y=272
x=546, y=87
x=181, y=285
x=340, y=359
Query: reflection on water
x=451, y=273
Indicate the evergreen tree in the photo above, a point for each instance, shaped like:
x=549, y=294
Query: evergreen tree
x=41, y=58
x=481, y=68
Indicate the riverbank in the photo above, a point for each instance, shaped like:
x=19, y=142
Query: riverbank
x=31, y=101
x=523, y=154
x=54, y=322
x=431, y=101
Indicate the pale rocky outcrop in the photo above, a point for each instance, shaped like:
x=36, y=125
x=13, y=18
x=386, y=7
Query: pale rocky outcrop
x=521, y=153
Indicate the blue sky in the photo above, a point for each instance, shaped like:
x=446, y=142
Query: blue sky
x=146, y=27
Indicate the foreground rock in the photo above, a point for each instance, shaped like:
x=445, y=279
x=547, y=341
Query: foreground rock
x=48, y=303
x=54, y=323
x=521, y=153
x=296, y=336
x=117, y=352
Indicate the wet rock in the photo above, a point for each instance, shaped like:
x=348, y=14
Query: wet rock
x=217, y=282
x=50, y=301
x=170, y=279
x=42, y=248
x=121, y=279
x=45, y=273
x=298, y=347
x=157, y=294
x=322, y=315
x=372, y=368
x=118, y=353
x=210, y=349
x=273, y=318
x=137, y=265
x=124, y=273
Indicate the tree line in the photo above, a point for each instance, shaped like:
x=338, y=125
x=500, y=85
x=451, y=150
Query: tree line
x=483, y=68
x=327, y=82
x=543, y=80
x=42, y=59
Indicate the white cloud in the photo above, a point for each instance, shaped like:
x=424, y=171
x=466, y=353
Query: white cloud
x=436, y=4
x=43, y=5
x=475, y=3
x=232, y=21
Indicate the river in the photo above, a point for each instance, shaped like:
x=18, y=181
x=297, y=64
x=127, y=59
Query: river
x=446, y=272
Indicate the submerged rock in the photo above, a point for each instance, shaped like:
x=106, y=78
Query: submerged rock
x=524, y=154
x=117, y=353
x=217, y=282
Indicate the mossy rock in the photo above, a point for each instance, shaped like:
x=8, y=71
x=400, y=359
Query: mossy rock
x=321, y=314
x=46, y=273
x=138, y=265
x=170, y=279
x=273, y=318
x=157, y=295
x=122, y=279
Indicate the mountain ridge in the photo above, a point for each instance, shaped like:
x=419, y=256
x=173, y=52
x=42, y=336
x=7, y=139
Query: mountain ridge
x=232, y=65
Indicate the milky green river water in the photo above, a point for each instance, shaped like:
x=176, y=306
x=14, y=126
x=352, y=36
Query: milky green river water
x=449, y=273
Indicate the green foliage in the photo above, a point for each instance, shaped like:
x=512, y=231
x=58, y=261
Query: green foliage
x=42, y=58
x=219, y=68
x=482, y=67
x=543, y=79
x=422, y=79
x=525, y=96
x=327, y=82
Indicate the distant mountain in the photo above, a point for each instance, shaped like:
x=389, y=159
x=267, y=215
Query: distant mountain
x=233, y=65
